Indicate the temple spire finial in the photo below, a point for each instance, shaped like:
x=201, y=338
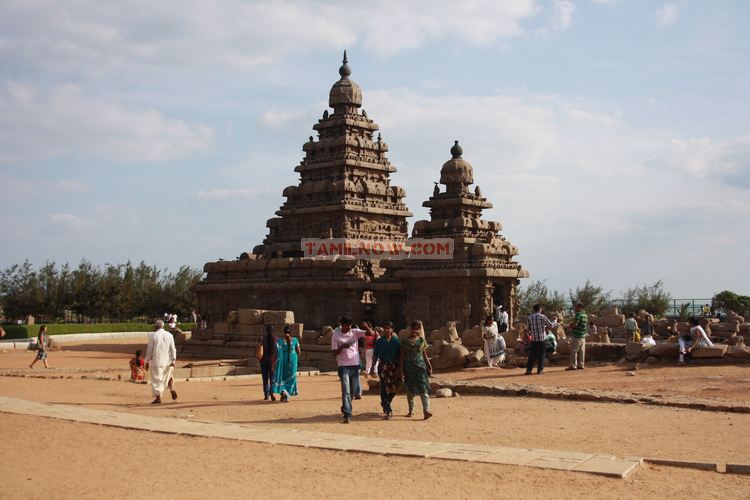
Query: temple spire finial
x=456, y=150
x=345, y=70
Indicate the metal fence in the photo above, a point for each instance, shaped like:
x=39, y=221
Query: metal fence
x=693, y=307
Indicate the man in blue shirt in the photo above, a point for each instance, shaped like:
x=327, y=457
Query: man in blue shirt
x=385, y=357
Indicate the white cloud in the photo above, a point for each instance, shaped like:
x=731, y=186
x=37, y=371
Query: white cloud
x=704, y=157
x=667, y=14
x=65, y=122
x=227, y=193
x=72, y=186
x=69, y=221
x=274, y=118
x=562, y=14
x=92, y=37
x=26, y=186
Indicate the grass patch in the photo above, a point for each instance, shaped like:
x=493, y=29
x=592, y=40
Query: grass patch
x=30, y=331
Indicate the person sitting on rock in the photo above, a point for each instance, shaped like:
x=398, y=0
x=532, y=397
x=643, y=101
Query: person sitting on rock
x=693, y=340
x=494, y=343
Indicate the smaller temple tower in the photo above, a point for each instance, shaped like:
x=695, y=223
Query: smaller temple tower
x=482, y=271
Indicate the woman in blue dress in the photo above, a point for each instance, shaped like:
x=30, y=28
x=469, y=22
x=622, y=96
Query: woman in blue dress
x=285, y=375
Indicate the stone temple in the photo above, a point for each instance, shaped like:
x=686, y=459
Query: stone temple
x=345, y=191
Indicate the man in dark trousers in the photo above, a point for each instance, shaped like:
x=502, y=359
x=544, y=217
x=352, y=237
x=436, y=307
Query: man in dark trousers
x=536, y=324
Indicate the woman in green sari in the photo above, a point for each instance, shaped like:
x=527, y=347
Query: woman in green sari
x=285, y=375
x=415, y=365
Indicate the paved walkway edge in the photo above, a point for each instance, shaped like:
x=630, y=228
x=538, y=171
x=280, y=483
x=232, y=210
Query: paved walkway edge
x=551, y=392
x=606, y=465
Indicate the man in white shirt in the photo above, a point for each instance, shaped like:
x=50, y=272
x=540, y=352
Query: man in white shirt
x=160, y=357
x=502, y=321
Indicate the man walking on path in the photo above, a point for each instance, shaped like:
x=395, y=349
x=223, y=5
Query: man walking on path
x=345, y=347
x=536, y=323
x=580, y=326
x=160, y=357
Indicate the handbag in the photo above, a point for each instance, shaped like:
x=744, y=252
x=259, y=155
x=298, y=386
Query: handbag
x=259, y=351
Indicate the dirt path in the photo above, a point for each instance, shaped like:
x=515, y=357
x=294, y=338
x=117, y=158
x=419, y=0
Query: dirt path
x=564, y=425
x=229, y=469
x=89, y=461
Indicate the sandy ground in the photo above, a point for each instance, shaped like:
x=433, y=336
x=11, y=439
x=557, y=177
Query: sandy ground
x=724, y=382
x=224, y=468
x=67, y=459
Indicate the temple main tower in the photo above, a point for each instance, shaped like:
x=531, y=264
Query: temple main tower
x=344, y=189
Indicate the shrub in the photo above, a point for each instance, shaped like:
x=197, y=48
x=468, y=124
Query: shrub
x=594, y=298
x=652, y=298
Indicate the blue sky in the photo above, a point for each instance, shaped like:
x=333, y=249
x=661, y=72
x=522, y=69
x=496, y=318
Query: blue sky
x=612, y=136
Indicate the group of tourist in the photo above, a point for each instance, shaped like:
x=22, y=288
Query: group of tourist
x=394, y=360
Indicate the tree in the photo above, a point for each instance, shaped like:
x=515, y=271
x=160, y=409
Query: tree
x=83, y=290
x=21, y=291
x=730, y=301
x=118, y=292
x=652, y=298
x=594, y=298
x=537, y=292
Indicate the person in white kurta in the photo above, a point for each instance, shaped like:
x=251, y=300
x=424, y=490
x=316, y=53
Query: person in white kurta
x=161, y=355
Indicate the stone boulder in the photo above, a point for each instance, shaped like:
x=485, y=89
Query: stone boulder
x=232, y=317
x=643, y=314
x=635, y=350
x=450, y=356
x=474, y=359
x=325, y=337
x=511, y=338
x=745, y=330
x=611, y=317
x=738, y=352
x=715, y=351
x=447, y=333
x=733, y=316
x=472, y=336
x=250, y=316
x=666, y=349
x=725, y=330
x=310, y=336
x=736, y=340
x=444, y=393
x=435, y=348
